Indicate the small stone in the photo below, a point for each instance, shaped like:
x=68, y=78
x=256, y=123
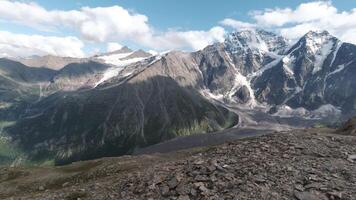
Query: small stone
x=314, y=185
x=152, y=187
x=198, y=184
x=164, y=190
x=65, y=184
x=289, y=168
x=226, y=166
x=193, y=192
x=309, y=195
x=41, y=188
x=183, y=197
x=183, y=189
x=201, y=178
x=299, y=187
x=213, y=162
x=259, y=180
x=204, y=190
x=172, y=183
x=211, y=168
x=199, y=162
x=158, y=179
x=335, y=195
x=351, y=158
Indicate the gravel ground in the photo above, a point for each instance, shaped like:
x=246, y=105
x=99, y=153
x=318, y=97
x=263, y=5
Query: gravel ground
x=300, y=164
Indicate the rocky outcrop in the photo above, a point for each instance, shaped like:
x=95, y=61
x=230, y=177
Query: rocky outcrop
x=243, y=95
x=349, y=128
x=299, y=164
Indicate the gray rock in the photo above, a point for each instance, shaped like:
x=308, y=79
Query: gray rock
x=310, y=195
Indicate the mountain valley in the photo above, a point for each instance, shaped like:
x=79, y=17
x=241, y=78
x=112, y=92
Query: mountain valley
x=120, y=102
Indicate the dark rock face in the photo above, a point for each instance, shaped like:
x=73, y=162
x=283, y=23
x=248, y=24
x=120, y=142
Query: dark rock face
x=243, y=95
x=340, y=85
x=349, y=128
x=217, y=73
x=273, y=85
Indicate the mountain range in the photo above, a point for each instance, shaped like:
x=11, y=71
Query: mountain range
x=69, y=109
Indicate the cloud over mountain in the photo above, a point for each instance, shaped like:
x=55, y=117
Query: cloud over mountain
x=293, y=23
x=85, y=27
x=107, y=24
x=13, y=45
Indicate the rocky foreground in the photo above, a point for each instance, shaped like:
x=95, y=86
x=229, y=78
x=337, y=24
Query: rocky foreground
x=300, y=164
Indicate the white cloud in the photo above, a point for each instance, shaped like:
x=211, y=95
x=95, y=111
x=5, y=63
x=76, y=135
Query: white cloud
x=196, y=40
x=106, y=24
x=317, y=15
x=95, y=24
x=113, y=46
x=237, y=24
x=305, y=12
x=14, y=45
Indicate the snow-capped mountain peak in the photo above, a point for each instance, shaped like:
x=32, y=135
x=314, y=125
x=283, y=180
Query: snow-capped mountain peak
x=256, y=40
x=318, y=41
x=315, y=47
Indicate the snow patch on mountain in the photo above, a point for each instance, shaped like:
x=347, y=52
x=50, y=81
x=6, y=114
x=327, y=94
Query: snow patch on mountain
x=241, y=80
x=270, y=65
x=257, y=41
x=338, y=45
x=287, y=61
x=322, y=54
x=119, y=60
x=209, y=95
x=108, y=74
x=319, y=44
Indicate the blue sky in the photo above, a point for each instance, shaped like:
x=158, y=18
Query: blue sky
x=159, y=24
x=189, y=14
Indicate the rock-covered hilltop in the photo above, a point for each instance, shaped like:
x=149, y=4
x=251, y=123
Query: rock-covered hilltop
x=299, y=164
